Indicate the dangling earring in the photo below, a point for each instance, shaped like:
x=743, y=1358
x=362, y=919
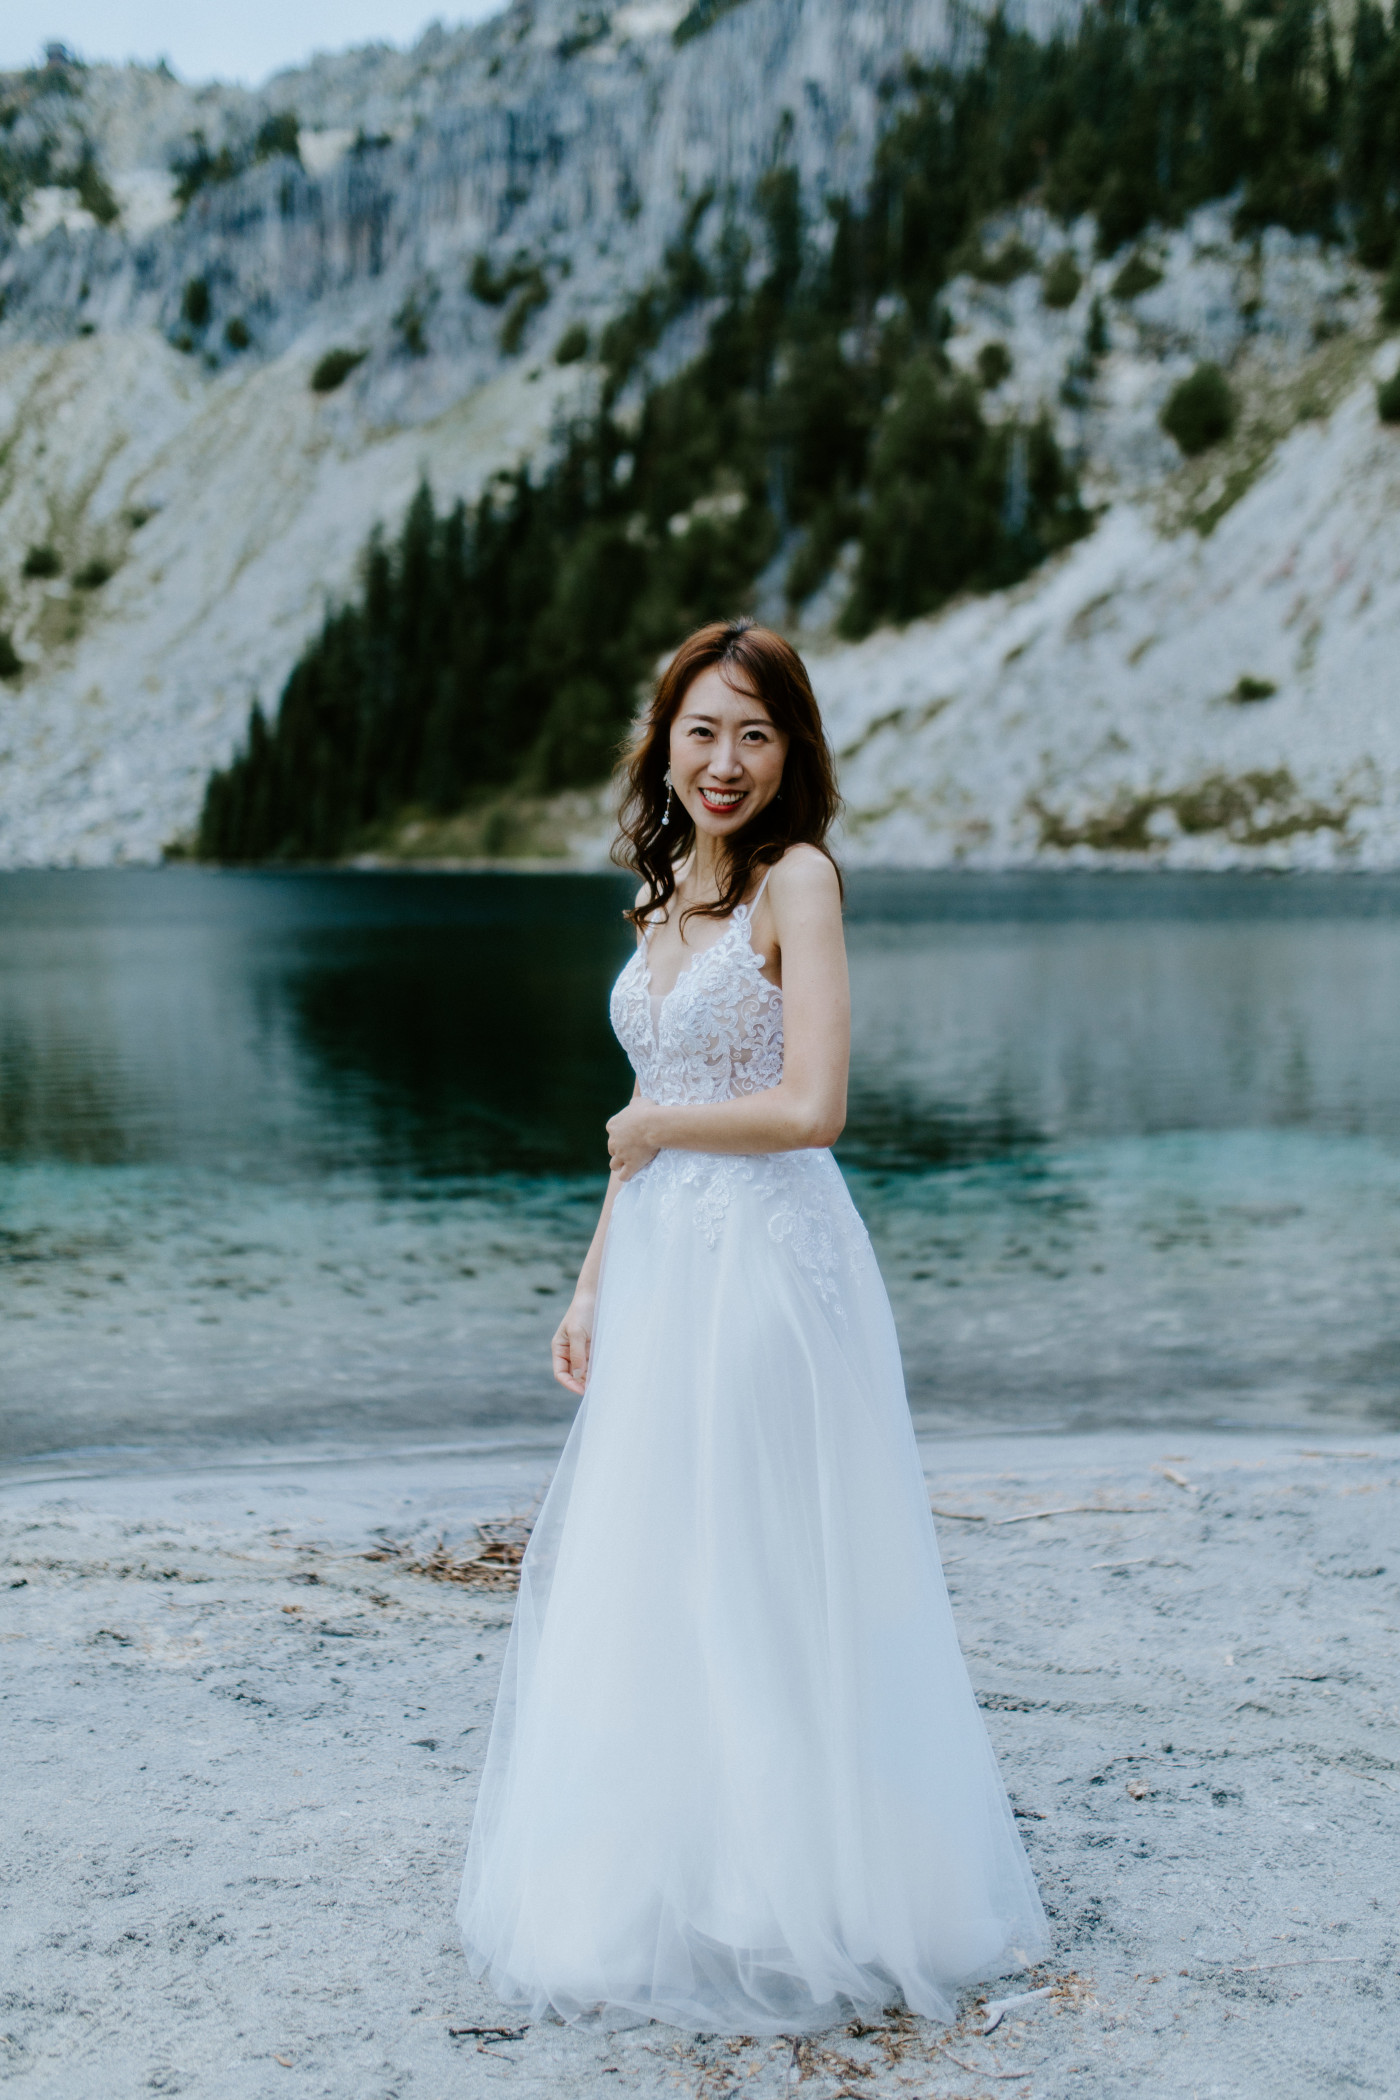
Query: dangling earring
x=666, y=812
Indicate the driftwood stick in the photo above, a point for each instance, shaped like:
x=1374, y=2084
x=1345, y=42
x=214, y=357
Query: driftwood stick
x=996, y=2009
x=1306, y=1961
x=978, y=2072
x=1077, y=1509
x=1029, y=1516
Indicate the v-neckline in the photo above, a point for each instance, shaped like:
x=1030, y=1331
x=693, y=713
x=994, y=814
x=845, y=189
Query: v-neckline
x=698, y=956
x=658, y=1000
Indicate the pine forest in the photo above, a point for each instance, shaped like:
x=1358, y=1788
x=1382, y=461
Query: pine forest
x=820, y=440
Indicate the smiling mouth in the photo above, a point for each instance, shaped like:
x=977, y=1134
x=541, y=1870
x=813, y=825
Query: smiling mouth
x=721, y=800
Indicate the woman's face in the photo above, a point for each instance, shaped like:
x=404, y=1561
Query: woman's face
x=726, y=755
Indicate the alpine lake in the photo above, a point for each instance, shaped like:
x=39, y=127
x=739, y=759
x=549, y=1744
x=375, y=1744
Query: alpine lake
x=305, y=1162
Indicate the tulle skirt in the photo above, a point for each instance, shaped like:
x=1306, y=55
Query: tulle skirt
x=737, y=1779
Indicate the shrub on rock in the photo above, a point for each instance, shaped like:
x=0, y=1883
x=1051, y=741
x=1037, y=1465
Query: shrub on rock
x=993, y=364
x=533, y=294
x=1200, y=410
x=279, y=134
x=1059, y=287
x=411, y=321
x=195, y=305
x=94, y=193
x=1012, y=260
x=42, y=562
x=334, y=369
x=1137, y=276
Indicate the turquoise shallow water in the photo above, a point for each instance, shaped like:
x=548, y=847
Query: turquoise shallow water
x=308, y=1161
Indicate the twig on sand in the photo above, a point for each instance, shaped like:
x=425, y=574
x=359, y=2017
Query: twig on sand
x=996, y=2009
x=1078, y=1509
x=978, y=2071
x=1306, y=1961
x=491, y=2034
x=1028, y=1516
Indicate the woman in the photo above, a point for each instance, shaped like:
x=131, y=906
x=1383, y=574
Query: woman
x=737, y=1778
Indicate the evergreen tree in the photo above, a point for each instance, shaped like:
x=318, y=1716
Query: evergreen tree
x=506, y=643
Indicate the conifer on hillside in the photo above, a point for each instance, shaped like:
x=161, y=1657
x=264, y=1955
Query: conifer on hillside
x=820, y=425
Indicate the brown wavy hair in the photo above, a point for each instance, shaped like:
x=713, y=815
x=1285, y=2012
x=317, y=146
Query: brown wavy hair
x=803, y=810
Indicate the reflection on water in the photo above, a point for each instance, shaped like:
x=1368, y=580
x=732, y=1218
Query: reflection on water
x=299, y=1024
x=974, y=1039
x=300, y=1157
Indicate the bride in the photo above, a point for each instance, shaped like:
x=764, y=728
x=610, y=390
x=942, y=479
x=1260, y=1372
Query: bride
x=737, y=1779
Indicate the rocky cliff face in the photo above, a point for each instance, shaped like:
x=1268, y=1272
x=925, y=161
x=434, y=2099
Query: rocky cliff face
x=177, y=502
x=572, y=135
x=170, y=435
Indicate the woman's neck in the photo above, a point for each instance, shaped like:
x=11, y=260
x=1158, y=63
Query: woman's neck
x=703, y=872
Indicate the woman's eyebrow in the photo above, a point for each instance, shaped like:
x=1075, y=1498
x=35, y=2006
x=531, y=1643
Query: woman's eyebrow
x=748, y=721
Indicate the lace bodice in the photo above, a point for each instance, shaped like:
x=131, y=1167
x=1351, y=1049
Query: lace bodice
x=718, y=1032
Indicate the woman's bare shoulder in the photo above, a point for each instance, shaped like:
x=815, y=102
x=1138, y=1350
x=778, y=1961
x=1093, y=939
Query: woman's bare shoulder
x=804, y=876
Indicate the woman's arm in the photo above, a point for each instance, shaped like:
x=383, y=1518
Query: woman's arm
x=573, y=1337
x=808, y=1106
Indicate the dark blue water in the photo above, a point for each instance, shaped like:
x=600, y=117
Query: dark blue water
x=306, y=1160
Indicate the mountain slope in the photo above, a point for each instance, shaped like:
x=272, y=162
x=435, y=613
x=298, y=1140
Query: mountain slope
x=1204, y=680
x=256, y=496
x=575, y=141
x=1194, y=702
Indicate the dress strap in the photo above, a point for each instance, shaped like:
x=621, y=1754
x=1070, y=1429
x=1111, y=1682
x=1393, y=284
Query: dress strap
x=654, y=918
x=761, y=888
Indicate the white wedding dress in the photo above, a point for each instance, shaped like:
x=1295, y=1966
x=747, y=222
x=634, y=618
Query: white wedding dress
x=737, y=1779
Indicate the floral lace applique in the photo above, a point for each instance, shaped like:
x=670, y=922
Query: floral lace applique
x=716, y=1034
x=808, y=1206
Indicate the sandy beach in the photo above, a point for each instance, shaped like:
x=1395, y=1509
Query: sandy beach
x=240, y=1758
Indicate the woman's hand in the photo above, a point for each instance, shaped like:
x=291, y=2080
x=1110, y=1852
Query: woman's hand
x=632, y=1139
x=573, y=1340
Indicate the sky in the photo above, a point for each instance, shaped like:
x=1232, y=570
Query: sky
x=243, y=41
